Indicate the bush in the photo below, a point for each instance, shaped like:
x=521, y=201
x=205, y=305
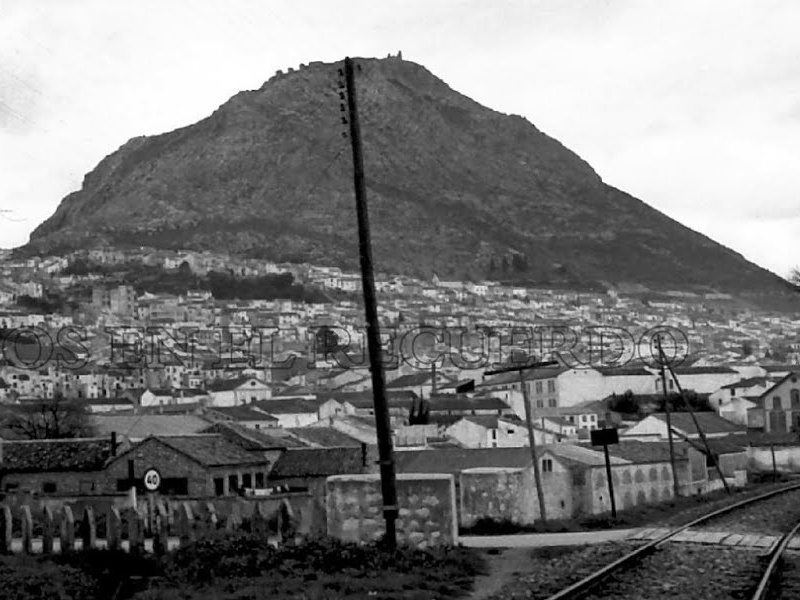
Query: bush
x=232, y=564
x=26, y=578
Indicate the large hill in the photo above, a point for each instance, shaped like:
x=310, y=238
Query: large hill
x=454, y=188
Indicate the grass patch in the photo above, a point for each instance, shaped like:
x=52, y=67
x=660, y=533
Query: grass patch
x=243, y=566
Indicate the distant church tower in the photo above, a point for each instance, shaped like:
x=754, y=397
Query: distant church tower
x=400, y=54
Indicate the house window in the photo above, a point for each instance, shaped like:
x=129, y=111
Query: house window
x=259, y=480
x=494, y=434
x=795, y=396
x=547, y=465
x=551, y=402
x=49, y=487
x=233, y=484
x=247, y=481
x=540, y=404
x=776, y=403
x=510, y=432
x=219, y=486
x=551, y=386
x=733, y=392
x=538, y=387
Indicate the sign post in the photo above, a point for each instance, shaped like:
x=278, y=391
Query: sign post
x=152, y=481
x=604, y=437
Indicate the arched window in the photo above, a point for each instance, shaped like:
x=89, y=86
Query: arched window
x=795, y=396
x=776, y=403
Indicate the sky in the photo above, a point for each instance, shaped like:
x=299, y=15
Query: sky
x=693, y=106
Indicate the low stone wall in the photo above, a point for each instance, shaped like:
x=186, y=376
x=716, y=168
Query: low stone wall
x=787, y=459
x=426, y=502
x=498, y=495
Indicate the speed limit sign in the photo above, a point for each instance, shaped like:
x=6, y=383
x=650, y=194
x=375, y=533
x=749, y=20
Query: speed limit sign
x=152, y=480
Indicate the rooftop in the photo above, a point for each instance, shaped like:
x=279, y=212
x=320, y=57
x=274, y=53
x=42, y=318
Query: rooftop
x=318, y=462
x=32, y=456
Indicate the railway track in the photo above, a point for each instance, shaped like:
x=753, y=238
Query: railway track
x=656, y=569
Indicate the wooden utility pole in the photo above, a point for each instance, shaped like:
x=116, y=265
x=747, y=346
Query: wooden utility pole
x=694, y=420
x=382, y=423
x=676, y=490
x=529, y=419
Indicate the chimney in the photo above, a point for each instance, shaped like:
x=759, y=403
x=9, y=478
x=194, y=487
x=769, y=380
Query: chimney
x=113, y=443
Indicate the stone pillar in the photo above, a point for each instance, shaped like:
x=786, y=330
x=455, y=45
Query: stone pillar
x=67, y=530
x=48, y=530
x=26, y=526
x=113, y=529
x=185, y=523
x=89, y=534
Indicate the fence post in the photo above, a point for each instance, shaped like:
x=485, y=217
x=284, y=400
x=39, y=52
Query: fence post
x=213, y=520
x=26, y=528
x=160, y=533
x=258, y=523
x=89, y=536
x=135, y=531
x=48, y=530
x=185, y=523
x=67, y=530
x=234, y=520
x=113, y=529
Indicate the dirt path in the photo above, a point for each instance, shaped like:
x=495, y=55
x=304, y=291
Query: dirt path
x=504, y=566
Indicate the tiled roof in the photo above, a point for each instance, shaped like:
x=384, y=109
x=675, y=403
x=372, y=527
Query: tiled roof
x=709, y=422
x=36, y=456
x=623, y=371
x=749, y=382
x=455, y=460
x=648, y=452
x=395, y=399
x=252, y=439
x=318, y=462
x=414, y=379
x=289, y=406
x=210, y=450
x=242, y=413
x=325, y=437
x=781, y=368
x=227, y=385
x=574, y=455
x=456, y=402
x=142, y=426
x=704, y=371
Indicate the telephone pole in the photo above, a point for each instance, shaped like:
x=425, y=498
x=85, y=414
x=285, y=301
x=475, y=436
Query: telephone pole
x=529, y=418
x=382, y=423
x=676, y=490
x=694, y=419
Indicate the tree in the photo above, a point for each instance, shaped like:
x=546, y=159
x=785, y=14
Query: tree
x=420, y=413
x=624, y=403
x=49, y=418
x=327, y=341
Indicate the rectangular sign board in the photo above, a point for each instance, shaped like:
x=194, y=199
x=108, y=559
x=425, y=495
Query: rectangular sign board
x=604, y=437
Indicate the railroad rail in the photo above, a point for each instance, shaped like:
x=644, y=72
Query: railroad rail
x=772, y=567
x=590, y=582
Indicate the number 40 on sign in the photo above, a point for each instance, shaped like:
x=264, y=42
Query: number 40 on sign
x=152, y=480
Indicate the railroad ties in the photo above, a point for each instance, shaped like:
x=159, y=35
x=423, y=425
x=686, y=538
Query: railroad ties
x=749, y=549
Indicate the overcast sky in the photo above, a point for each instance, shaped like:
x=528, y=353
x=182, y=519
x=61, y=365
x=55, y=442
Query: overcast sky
x=692, y=106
